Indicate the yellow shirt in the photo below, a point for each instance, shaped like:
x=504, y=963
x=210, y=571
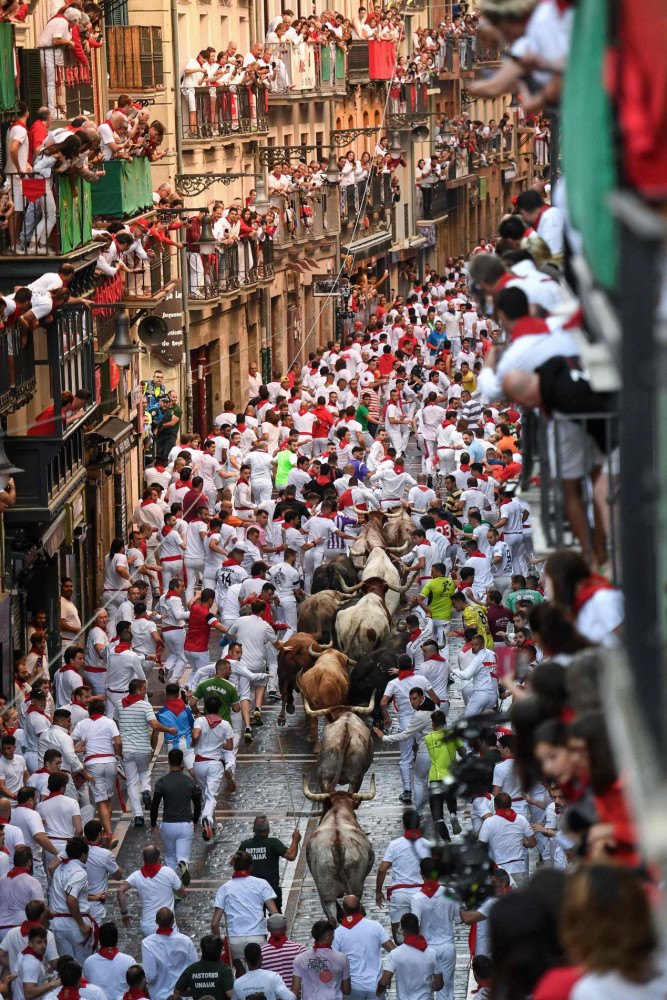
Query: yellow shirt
x=474, y=616
x=469, y=382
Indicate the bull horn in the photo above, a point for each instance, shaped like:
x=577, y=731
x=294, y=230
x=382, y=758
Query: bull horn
x=360, y=710
x=314, y=796
x=364, y=796
x=314, y=713
x=327, y=646
x=358, y=510
x=398, y=550
x=393, y=513
x=313, y=652
x=350, y=590
x=400, y=590
x=351, y=662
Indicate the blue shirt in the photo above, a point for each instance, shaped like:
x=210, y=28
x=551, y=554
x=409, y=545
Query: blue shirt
x=184, y=722
x=360, y=470
x=477, y=450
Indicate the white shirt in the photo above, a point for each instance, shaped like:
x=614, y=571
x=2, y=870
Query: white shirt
x=69, y=879
x=155, y=892
x=254, y=634
x=108, y=974
x=261, y=982
x=30, y=823
x=399, y=690
x=194, y=547
x=414, y=970
x=507, y=777
x=363, y=946
x=99, y=735
x=404, y=856
x=479, y=670
x=261, y=465
x=483, y=575
x=505, y=840
x=286, y=580
x=29, y=969
x=611, y=986
x=600, y=615
x=212, y=738
x=12, y=771
x=242, y=900
x=14, y=942
x=112, y=579
x=100, y=864
x=164, y=957
x=17, y=133
x=436, y=915
x=57, y=813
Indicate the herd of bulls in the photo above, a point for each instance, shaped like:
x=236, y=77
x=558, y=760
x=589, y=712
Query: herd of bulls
x=340, y=660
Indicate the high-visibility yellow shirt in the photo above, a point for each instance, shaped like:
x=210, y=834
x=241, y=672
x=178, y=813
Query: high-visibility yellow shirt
x=474, y=616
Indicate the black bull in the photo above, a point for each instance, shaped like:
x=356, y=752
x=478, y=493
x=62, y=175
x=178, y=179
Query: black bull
x=371, y=673
x=329, y=575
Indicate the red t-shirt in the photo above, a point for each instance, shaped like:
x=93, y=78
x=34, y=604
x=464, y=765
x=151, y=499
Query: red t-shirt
x=556, y=984
x=192, y=503
x=510, y=471
x=386, y=363
x=199, y=628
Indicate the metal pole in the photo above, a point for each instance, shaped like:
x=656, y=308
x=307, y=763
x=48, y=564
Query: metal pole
x=186, y=391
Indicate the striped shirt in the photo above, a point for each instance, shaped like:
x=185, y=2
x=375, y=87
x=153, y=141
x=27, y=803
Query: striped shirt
x=281, y=960
x=133, y=725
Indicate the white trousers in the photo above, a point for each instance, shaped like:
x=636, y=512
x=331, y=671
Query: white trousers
x=312, y=559
x=177, y=843
x=194, y=569
x=480, y=701
x=261, y=490
x=209, y=775
x=137, y=779
x=420, y=780
x=175, y=663
x=407, y=752
x=197, y=660
x=446, y=460
x=286, y=612
x=172, y=568
x=514, y=541
x=446, y=964
x=68, y=939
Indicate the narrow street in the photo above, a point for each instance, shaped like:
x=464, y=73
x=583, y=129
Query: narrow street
x=269, y=779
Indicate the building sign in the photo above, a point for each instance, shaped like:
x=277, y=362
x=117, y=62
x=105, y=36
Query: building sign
x=170, y=350
x=324, y=287
x=509, y=174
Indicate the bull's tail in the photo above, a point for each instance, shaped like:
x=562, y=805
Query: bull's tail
x=341, y=759
x=338, y=854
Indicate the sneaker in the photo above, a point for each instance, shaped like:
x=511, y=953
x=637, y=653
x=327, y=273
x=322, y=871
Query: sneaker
x=257, y=717
x=207, y=831
x=138, y=820
x=443, y=832
x=160, y=675
x=405, y=796
x=184, y=872
x=273, y=696
x=248, y=737
x=146, y=798
x=456, y=826
x=231, y=784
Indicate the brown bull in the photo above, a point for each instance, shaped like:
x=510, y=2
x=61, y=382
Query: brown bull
x=324, y=686
x=314, y=615
x=398, y=531
x=298, y=653
x=339, y=854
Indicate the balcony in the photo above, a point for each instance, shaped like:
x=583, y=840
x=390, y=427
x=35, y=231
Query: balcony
x=324, y=74
x=135, y=58
x=53, y=460
x=433, y=202
x=371, y=61
x=464, y=54
x=68, y=87
x=153, y=283
x=412, y=99
x=56, y=219
x=302, y=217
x=17, y=369
x=365, y=212
x=492, y=148
x=227, y=113
x=125, y=191
x=9, y=84
x=229, y=271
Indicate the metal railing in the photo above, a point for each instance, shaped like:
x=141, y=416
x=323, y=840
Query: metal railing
x=231, y=268
x=67, y=85
x=494, y=144
x=407, y=98
x=51, y=216
x=432, y=201
x=369, y=202
x=156, y=272
x=300, y=216
x=308, y=69
x=17, y=368
x=227, y=111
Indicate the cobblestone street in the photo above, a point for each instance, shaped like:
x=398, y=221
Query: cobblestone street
x=270, y=781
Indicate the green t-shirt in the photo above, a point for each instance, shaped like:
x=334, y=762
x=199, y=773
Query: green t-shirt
x=225, y=691
x=206, y=979
x=442, y=749
x=265, y=852
x=361, y=416
x=438, y=592
x=522, y=595
x=285, y=462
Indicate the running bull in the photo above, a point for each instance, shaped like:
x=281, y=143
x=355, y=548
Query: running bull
x=346, y=750
x=338, y=852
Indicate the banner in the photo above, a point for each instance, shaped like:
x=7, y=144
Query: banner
x=74, y=213
x=8, y=72
x=125, y=190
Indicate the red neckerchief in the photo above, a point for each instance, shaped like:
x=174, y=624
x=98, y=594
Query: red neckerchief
x=415, y=941
x=213, y=720
x=17, y=871
x=484, y=795
x=38, y=711
x=430, y=887
x=75, y=701
x=278, y=940
x=406, y=673
x=53, y=795
x=165, y=531
x=181, y=485
x=68, y=993
x=175, y=705
x=351, y=920
x=528, y=326
x=319, y=947
x=108, y=953
x=587, y=588
x=231, y=562
x=22, y=124
x=131, y=699
x=165, y=930
x=411, y=638
x=506, y=814
x=447, y=423
x=27, y=924
x=10, y=730
x=29, y=951
x=423, y=489
x=33, y=649
x=172, y=593
x=241, y=874
x=150, y=871
x=413, y=834
x=135, y=993
x=477, y=554
x=97, y=715
x=145, y=503
x=464, y=468
x=122, y=647
x=540, y=213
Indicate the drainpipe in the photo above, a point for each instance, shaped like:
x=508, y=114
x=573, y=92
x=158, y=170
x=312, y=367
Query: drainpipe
x=186, y=391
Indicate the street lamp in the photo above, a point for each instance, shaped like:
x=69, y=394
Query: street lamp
x=395, y=150
x=7, y=470
x=123, y=348
x=262, y=204
x=207, y=241
x=333, y=170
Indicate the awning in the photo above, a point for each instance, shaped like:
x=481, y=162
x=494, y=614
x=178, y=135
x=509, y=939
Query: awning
x=116, y=430
x=371, y=245
x=54, y=535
